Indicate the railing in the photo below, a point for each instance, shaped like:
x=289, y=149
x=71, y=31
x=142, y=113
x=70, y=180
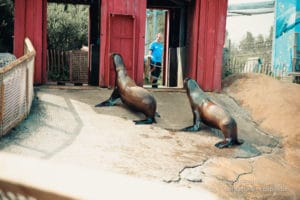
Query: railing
x=16, y=89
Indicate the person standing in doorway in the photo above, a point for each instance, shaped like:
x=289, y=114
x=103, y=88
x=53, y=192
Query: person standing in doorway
x=156, y=52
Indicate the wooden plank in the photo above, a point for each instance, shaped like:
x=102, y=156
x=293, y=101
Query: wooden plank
x=140, y=39
x=103, y=38
x=220, y=38
x=193, y=40
x=37, y=39
x=44, y=38
x=181, y=63
x=210, y=50
x=202, y=44
x=19, y=28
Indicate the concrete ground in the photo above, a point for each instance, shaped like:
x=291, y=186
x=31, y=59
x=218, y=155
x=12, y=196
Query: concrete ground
x=65, y=127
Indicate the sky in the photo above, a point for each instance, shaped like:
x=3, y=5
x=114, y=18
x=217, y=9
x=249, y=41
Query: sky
x=257, y=24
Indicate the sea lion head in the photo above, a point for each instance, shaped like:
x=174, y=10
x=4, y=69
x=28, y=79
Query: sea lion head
x=190, y=84
x=118, y=61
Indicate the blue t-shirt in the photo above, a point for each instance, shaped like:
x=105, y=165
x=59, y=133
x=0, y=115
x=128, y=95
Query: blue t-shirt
x=157, y=51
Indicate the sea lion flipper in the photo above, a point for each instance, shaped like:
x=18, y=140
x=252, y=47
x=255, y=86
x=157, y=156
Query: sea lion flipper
x=149, y=120
x=113, y=99
x=194, y=128
x=228, y=143
x=108, y=102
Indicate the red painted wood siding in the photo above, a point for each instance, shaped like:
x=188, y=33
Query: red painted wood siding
x=122, y=31
x=29, y=21
x=207, y=34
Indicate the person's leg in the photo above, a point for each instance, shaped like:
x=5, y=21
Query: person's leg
x=152, y=68
x=155, y=75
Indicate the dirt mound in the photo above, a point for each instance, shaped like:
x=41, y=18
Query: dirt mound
x=273, y=104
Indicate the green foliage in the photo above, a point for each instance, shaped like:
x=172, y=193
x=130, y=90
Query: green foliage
x=67, y=26
x=6, y=25
x=247, y=43
x=226, y=72
x=59, y=76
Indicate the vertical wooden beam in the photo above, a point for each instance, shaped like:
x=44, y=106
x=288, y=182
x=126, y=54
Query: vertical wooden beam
x=221, y=29
x=36, y=33
x=19, y=28
x=44, y=39
x=141, y=28
x=103, y=38
x=193, y=39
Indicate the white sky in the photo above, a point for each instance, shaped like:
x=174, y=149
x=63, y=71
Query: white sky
x=257, y=24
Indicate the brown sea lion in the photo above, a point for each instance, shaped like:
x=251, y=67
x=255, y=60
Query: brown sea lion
x=135, y=97
x=211, y=114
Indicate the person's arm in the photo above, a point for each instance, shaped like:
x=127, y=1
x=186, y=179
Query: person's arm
x=150, y=49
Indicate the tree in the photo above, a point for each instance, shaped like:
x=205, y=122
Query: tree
x=259, y=41
x=247, y=43
x=67, y=26
x=269, y=38
x=6, y=25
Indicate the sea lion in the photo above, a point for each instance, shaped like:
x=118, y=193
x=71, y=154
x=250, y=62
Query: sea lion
x=135, y=97
x=211, y=114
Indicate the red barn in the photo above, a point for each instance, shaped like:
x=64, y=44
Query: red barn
x=196, y=25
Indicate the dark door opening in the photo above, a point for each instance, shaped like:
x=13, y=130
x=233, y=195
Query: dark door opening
x=94, y=42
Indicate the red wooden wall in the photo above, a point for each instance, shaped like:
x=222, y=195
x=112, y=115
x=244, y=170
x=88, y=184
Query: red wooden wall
x=205, y=42
x=30, y=21
x=122, y=31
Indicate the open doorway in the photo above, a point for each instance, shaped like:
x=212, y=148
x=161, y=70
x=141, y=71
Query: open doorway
x=170, y=19
x=73, y=42
x=155, y=68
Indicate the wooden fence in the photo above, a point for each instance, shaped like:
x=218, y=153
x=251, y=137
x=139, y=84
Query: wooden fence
x=71, y=66
x=256, y=58
x=58, y=63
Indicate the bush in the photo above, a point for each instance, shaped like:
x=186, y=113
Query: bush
x=67, y=26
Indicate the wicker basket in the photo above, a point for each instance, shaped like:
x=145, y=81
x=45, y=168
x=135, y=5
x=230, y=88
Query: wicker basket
x=16, y=89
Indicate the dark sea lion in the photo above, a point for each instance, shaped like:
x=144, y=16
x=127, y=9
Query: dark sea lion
x=135, y=97
x=211, y=114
